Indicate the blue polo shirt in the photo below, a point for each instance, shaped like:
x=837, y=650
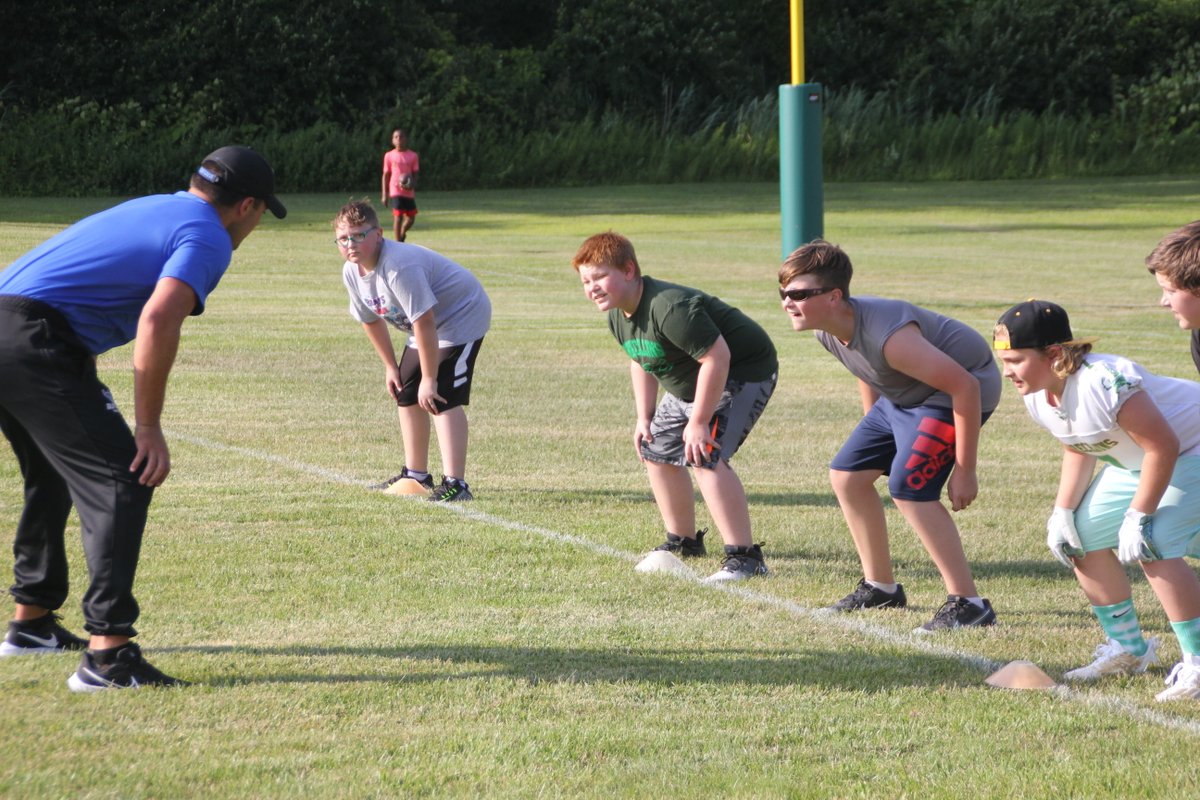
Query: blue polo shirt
x=100, y=272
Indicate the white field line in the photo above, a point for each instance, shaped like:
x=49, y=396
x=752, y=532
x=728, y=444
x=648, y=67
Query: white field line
x=848, y=622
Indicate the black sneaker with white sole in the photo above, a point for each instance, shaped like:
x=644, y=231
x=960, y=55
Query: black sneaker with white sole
x=451, y=490
x=405, y=472
x=40, y=636
x=867, y=596
x=959, y=612
x=683, y=546
x=740, y=563
x=123, y=669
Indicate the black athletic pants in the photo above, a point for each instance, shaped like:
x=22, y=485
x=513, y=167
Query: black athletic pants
x=73, y=447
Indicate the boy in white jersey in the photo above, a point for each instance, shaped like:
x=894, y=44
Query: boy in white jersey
x=1145, y=502
x=445, y=313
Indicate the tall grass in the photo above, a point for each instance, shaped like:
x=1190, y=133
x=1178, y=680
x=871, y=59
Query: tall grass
x=122, y=151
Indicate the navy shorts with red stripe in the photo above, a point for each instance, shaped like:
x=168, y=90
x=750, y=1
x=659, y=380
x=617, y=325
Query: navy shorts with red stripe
x=913, y=446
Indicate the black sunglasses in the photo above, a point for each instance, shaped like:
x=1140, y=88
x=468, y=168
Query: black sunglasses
x=803, y=294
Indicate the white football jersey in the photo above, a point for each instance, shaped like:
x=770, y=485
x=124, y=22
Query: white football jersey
x=1086, y=420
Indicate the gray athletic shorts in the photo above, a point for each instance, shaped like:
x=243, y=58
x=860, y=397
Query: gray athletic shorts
x=740, y=406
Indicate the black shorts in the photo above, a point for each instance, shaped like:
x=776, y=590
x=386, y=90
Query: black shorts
x=402, y=206
x=456, y=368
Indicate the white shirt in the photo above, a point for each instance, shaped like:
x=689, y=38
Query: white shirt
x=1086, y=418
x=408, y=281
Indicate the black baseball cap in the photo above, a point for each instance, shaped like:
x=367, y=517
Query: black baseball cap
x=247, y=173
x=1034, y=324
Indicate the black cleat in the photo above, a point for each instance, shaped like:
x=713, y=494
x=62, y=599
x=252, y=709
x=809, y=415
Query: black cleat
x=867, y=596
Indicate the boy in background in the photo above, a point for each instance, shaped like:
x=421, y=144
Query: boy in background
x=927, y=384
x=400, y=169
x=444, y=311
x=718, y=368
x=1175, y=264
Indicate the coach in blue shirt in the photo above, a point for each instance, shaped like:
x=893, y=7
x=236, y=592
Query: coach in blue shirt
x=131, y=273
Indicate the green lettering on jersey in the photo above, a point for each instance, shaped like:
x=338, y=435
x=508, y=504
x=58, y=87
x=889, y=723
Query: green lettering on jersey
x=649, y=354
x=643, y=349
x=1115, y=382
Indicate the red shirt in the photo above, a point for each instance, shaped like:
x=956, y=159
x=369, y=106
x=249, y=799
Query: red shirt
x=395, y=166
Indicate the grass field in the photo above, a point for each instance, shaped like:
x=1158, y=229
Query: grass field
x=349, y=644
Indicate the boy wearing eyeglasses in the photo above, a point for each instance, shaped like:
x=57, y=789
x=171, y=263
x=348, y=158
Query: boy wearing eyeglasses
x=927, y=384
x=718, y=369
x=1175, y=265
x=445, y=313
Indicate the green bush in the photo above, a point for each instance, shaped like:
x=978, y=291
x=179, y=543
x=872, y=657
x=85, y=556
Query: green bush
x=80, y=149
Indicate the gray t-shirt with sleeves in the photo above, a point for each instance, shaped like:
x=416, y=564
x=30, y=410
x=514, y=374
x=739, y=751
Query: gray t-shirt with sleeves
x=877, y=318
x=407, y=282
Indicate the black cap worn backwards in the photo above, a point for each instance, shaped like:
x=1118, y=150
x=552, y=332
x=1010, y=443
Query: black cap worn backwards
x=247, y=173
x=1035, y=324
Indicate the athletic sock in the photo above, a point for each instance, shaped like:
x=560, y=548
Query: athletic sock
x=1120, y=623
x=417, y=475
x=1188, y=634
x=106, y=656
x=886, y=588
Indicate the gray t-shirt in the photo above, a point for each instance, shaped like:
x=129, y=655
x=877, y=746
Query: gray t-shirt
x=408, y=281
x=876, y=319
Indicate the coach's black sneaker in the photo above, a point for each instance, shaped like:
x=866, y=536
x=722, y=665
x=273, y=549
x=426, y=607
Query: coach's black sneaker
x=740, y=563
x=405, y=472
x=451, y=490
x=867, y=596
x=39, y=636
x=120, y=668
x=683, y=546
x=959, y=612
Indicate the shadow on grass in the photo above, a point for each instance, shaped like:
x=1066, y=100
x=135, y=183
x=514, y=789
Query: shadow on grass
x=574, y=496
x=850, y=670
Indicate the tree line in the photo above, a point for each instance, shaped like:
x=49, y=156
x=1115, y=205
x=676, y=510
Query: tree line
x=473, y=76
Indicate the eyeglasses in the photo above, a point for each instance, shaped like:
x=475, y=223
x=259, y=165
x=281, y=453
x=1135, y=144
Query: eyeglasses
x=803, y=294
x=353, y=238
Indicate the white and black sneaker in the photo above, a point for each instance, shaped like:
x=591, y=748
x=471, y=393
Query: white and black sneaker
x=405, y=472
x=40, y=636
x=683, y=546
x=121, y=668
x=740, y=563
x=867, y=596
x=450, y=490
x=959, y=612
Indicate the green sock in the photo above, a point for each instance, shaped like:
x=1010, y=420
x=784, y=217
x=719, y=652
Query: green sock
x=1188, y=634
x=1120, y=622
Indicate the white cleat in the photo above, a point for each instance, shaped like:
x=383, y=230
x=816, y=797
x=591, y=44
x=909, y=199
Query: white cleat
x=1183, y=683
x=1113, y=659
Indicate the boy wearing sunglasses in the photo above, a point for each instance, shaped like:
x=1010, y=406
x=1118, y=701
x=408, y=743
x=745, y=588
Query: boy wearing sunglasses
x=927, y=384
x=718, y=369
x=444, y=312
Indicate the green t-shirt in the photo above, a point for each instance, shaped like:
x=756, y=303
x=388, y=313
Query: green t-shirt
x=674, y=325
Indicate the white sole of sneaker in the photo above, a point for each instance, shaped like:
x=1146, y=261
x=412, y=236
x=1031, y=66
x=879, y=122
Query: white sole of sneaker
x=7, y=650
x=722, y=577
x=78, y=685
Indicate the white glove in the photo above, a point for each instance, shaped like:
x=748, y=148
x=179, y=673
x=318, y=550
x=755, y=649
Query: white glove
x=1061, y=536
x=1136, y=540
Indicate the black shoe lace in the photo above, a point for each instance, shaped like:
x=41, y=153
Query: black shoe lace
x=949, y=610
